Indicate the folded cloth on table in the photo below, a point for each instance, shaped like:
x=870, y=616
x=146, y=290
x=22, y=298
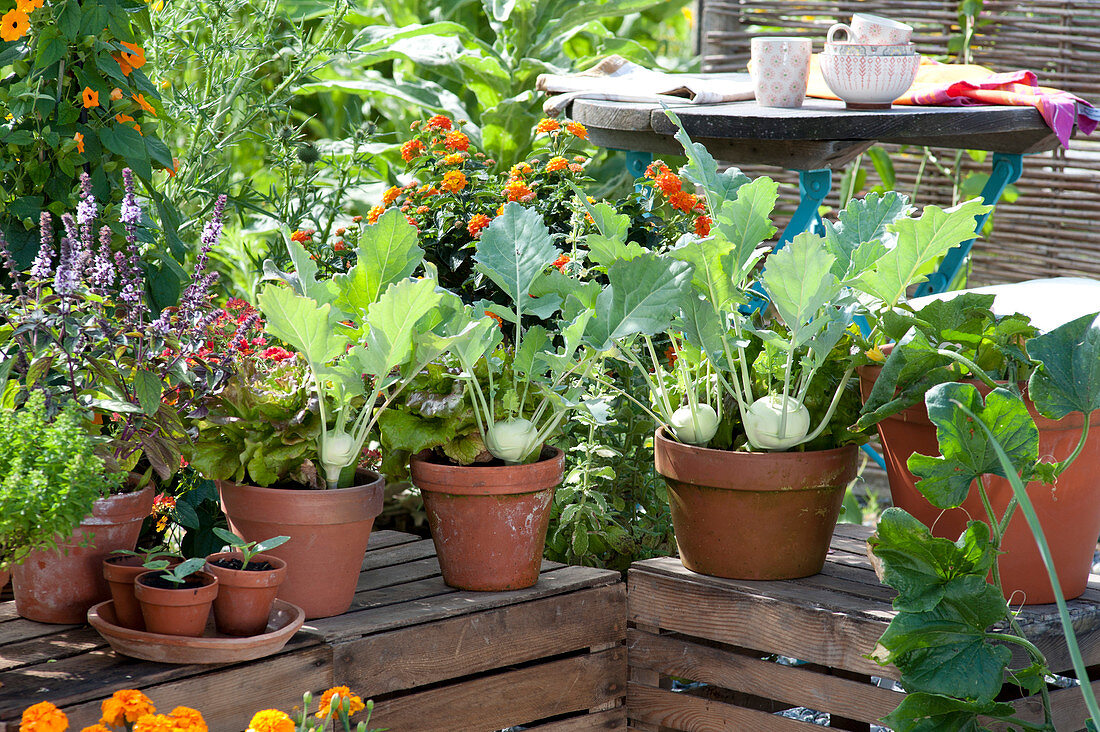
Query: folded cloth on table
x=620, y=80
x=968, y=84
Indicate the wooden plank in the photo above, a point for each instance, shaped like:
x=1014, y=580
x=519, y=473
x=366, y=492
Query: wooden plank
x=511, y=698
x=65, y=644
x=399, y=554
x=398, y=574
x=416, y=590
x=610, y=719
x=375, y=620
x=710, y=610
x=796, y=686
x=686, y=713
x=229, y=697
x=15, y=631
x=473, y=643
x=387, y=538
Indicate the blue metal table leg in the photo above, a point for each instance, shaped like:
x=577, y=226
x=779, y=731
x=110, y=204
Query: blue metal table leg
x=636, y=163
x=1006, y=170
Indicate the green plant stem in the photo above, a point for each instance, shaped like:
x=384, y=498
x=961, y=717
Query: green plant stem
x=620, y=392
x=1077, y=450
x=832, y=406
x=975, y=369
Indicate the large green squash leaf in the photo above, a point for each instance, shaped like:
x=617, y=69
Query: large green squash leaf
x=1069, y=380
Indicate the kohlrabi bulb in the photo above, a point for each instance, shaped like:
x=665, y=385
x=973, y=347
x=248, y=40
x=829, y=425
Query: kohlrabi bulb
x=697, y=431
x=511, y=440
x=765, y=415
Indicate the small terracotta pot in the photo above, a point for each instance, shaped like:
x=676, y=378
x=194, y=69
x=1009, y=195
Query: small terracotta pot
x=245, y=597
x=59, y=586
x=488, y=523
x=328, y=531
x=182, y=611
x=754, y=515
x=1069, y=511
x=120, y=571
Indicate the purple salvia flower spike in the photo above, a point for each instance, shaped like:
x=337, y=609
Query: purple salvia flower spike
x=42, y=266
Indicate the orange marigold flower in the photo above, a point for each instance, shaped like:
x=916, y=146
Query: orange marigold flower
x=669, y=184
x=126, y=705
x=456, y=141
x=271, y=720
x=517, y=190
x=28, y=6
x=438, y=122
x=90, y=97
x=374, y=213
x=576, y=129
x=389, y=196
x=155, y=723
x=453, y=159
x=140, y=99
x=546, y=126
x=411, y=150
x=702, y=225
x=43, y=717
x=302, y=236
x=454, y=181
x=562, y=262
x=14, y=25
x=683, y=200
x=79, y=137
x=189, y=719
x=655, y=169
x=96, y=728
x=476, y=223
x=335, y=696
x=136, y=56
x=556, y=163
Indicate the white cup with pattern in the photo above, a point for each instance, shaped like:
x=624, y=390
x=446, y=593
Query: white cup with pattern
x=867, y=28
x=780, y=70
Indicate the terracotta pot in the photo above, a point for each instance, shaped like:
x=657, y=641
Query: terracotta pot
x=328, y=531
x=59, y=586
x=245, y=597
x=4, y=577
x=754, y=515
x=120, y=571
x=177, y=611
x=488, y=523
x=1069, y=511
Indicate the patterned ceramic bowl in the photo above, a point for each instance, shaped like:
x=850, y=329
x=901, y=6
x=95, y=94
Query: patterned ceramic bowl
x=872, y=82
x=869, y=49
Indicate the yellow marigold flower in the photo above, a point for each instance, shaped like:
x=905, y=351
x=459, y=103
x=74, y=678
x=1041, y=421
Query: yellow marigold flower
x=556, y=163
x=14, y=25
x=453, y=159
x=271, y=720
x=390, y=196
x=546, y=126
x=43, y=717
x=126, y=705
x=28, y=6
x=334, y=697
x=577, y=130
x=875, y=354
x=454, y=181
x=374, y=213
x=90, y=97
x=189, y=719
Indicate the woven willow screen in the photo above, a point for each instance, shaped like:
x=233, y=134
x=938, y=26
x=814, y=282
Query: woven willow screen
x=1052, y=229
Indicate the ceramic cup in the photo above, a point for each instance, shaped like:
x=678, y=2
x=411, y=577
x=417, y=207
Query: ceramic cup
x=780, y=69
x=867, y=28
x=869, y=49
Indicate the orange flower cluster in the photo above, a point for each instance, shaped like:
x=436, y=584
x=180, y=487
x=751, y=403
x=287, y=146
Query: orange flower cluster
x=271, y=720
x=302, y=236
x=438, y=122
x=562, y=263
x=411, y=150
x=454, y=181
x=477, y=224
x=374, y=213
x=334, y=697
x=556, y=163
x=516, y=190
x=548, y=126
x=43, y=717
x=670, y=185
x=456, y=141
x=125, y=706
x=388, y=197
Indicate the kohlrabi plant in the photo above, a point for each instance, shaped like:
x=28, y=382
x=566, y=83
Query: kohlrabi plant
x=752, y=344
x=364, y=335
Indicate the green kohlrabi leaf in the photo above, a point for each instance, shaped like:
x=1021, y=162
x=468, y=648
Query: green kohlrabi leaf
x=745, y=222
x=701, y=327
x=799, y=282
x=1069, y=379
x=302, y=323
x=920, y=712
x=862, y=223
x=702, y=169
x=514, y=250
x=967, y=451
x=394, y=322
x=643, y=296
x=714, y=267
x=387, y=253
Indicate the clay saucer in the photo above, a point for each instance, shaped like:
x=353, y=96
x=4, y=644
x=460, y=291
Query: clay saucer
x=211, y=647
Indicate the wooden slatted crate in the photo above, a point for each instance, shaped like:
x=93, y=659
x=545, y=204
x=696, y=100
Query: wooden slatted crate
x=550, y=657
x=714, y=654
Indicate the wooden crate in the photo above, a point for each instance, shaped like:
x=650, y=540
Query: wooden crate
x=705, y=653
x=433, y=658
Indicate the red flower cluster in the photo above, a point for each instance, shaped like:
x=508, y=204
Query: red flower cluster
x=672, y=188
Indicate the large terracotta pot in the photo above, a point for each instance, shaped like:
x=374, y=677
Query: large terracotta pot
x=488, y=522
x=180, y=610
x=753, y=515
x=1069, y=511
x=328, y=532
x=59, y=586
x=245, y=597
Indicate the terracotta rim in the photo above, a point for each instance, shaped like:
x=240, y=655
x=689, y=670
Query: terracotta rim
x=498, y=480
x=174, y=597
x=247, y=578
x=341, y=505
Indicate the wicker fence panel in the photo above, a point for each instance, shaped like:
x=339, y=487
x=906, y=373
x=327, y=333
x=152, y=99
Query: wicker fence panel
x=1051, y=229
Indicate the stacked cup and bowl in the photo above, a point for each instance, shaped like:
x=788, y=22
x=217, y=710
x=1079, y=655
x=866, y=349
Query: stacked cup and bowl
x=875, y=66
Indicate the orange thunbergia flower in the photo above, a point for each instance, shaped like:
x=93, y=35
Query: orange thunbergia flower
x=453, y=159
x=517, y=190
x=28, y=6
x=335, y=696
x=577, y=130
x=547, y=125
x=14, y=25
x=412, y=150
x=136, y=57
x=702, y=225
x=116, y=94
x=140, y=99
x=556, y=163
x=79, y=137
x=456, y=141
x=174, y=169
x=683, y=200
x=438, y=122
x=271, y=720
x=388, y=197
x=91, y=98
x=43, y=717
x=668, y=183
x=123, y=118
x=562, y=262
x=454, y=181
x=189, y=719
x=374, y=213
x=476, y=224
x=126, y=705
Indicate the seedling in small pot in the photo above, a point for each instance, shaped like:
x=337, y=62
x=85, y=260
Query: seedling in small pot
x=248, y=549
x=177, y=574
